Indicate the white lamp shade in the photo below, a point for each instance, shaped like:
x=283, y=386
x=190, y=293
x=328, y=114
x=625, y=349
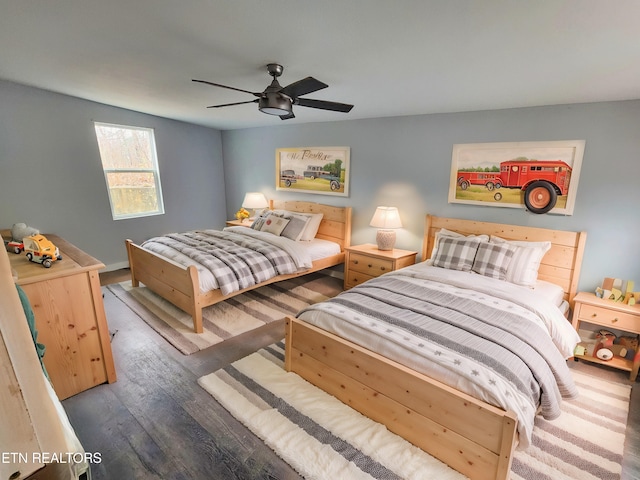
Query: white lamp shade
x=254, y=200
x=386, y=217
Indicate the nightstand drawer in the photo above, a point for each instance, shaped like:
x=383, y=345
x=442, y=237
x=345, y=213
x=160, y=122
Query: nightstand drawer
x=610, y=318
x=369, y=265
x=356, y=278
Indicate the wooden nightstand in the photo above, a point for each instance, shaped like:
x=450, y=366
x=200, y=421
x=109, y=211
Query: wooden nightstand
x=239, y=223
x=363, y=262
x=612, y=315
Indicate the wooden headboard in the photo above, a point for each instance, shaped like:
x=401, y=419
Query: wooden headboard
x=560, y=265
x=335, y=224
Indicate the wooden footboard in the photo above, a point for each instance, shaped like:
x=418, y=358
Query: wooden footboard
x=173, y=282
x=469, y=435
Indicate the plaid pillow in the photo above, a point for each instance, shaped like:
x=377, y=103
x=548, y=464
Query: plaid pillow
x=493, y=259
x=456, y=253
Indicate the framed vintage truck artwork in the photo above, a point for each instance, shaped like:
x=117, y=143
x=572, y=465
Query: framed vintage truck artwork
x=539, y=176
x=321, y=170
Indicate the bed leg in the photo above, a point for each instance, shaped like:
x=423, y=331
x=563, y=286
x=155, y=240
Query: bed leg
x=134, y=280
x=288, y=344
x=197, y=320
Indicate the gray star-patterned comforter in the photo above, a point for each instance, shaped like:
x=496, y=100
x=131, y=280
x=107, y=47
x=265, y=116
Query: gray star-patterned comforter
x=496, y=341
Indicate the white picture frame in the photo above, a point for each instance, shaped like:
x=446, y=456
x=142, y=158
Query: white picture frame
x=517, y=175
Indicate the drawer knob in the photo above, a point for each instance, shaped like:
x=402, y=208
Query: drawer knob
x=614, y=320
x=355, y=262
x=594, y=315
x=369, y=265
x=382, y=268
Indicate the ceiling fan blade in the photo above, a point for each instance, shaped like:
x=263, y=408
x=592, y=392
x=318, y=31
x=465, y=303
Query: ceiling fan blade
x=324, y=105
x=256, y=94
x=302, y=87
x=230, y=104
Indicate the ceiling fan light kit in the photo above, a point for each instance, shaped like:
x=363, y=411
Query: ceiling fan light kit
x=277, y=100
x=274, y=104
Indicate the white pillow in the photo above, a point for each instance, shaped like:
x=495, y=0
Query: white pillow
x=523, y=268
x=274, y=224
x=312, y=227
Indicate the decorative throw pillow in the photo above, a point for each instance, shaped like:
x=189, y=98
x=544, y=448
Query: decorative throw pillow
x=296, y=226
x=311, y=229
x=443, y=232
x=259, y=220
x=456, y=253
x=523, y=268
x=274, y=224
x=492, y=260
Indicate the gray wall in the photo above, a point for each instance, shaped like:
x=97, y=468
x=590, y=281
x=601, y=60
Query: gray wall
x=406, y=162
x=51, y=175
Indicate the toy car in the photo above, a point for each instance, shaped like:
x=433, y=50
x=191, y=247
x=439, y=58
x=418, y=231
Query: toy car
x=13, y=246
x=41, y=250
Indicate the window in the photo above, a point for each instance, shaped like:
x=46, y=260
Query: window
x=130, y=169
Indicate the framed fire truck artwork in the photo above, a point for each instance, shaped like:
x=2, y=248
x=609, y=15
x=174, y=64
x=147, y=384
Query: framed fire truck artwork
x=541, y=177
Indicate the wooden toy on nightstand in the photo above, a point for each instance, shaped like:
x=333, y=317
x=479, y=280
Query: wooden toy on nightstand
x=363, y=262
x=613, y=315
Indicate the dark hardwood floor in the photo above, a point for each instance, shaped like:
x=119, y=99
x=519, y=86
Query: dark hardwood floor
x=156, y=422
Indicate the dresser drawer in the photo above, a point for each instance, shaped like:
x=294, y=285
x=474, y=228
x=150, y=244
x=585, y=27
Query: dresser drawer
x=356, y=278
x=610, y=318
x=369, y=265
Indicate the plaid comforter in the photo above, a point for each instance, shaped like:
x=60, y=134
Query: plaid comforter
x=236, y=261
x=493, y=348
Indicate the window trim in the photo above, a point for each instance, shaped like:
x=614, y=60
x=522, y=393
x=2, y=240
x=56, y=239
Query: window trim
x=155, y=171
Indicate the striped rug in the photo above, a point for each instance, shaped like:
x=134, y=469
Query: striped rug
x=322, y=438
x=232, y=317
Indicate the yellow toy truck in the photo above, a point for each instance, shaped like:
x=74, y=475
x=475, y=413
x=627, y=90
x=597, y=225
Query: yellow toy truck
x=41, y=250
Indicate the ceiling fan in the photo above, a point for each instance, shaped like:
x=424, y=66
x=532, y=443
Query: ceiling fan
x=277, y=100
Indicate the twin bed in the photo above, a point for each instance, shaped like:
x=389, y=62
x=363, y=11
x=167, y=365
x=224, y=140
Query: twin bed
x=400, y=348
x=443, y=410
x=184, y=286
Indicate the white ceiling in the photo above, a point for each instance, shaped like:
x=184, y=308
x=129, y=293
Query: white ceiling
x=388, y=58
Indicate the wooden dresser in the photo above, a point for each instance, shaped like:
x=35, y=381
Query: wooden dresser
x=67, y=303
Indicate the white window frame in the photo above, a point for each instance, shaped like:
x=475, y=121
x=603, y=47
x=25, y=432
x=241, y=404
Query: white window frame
x=154, y=170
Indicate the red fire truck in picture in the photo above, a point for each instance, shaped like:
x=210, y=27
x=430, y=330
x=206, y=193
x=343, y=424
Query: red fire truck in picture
x=541, y=180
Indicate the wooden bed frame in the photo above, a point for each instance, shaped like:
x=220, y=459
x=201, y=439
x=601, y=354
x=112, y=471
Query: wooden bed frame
x=180, y=285
x=469, y=435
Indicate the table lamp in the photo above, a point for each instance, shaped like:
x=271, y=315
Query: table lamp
x=386, y=219
x=254, y=201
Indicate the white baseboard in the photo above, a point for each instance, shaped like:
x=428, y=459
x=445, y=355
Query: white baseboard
x=115, y=266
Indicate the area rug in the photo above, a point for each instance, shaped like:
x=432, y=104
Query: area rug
x=322, y=438
x=232, y=317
